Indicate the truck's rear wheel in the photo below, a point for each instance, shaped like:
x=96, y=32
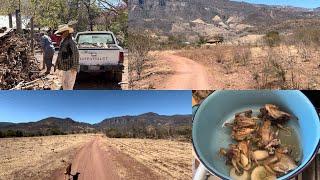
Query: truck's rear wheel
x=117, y=76
x=108, y=75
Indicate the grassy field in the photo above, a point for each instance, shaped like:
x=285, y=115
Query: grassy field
x=260, y=67
x=169, y=159
x=36, y=157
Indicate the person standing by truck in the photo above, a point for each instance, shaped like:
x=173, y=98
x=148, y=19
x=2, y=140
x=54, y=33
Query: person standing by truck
x=68, y=57
x=48, y=52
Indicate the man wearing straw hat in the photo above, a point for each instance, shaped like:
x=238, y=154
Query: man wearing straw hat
x=68, y=57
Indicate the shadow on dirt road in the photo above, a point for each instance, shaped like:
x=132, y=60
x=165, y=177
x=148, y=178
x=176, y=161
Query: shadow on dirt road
x=94, y=81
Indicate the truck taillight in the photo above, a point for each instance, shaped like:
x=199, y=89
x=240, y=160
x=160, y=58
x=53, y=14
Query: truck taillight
x=121, y=58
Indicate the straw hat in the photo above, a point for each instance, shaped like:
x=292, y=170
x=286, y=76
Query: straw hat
x=63, y=28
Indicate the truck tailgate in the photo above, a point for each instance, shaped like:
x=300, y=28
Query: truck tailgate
x=98, y=56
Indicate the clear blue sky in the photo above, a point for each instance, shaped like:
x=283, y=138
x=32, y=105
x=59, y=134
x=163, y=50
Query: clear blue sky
x=89, y=106
x=296, y=3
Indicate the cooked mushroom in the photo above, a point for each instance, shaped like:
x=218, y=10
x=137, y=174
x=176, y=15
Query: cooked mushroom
x=284, y=165
x=260, y=172
x=274, y=112
x=243, y=121
x=274, y=142
x=266, y=133
x=235, y=176
x=270, y=160
x=243, y=146
x=258, y=146
x=244, y=160
x=242, y=134
x=247, y=113
x=260, y=155
x=223, y=151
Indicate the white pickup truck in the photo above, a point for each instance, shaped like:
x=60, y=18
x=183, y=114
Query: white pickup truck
x=99, y=52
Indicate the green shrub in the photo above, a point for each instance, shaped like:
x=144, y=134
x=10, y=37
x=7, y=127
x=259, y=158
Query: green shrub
x=19, y=133
x=272, y=38
x=10, y=133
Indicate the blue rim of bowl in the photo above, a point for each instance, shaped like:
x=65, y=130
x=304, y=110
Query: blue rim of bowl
x=302, y=168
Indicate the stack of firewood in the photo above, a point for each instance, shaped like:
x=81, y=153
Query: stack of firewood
x=17, y=62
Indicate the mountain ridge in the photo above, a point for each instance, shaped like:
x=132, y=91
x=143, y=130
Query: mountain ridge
x=52, y=125
x=176, y=17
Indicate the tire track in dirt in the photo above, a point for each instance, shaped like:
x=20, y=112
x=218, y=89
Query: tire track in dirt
x=94, y=162
x=187, y=74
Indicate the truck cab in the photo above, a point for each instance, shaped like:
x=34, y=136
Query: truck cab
x=99, y=52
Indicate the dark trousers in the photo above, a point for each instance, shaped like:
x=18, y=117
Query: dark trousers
x=47, y=60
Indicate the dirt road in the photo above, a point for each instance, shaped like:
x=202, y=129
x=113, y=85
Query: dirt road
x=95, y=162
x=187, y=74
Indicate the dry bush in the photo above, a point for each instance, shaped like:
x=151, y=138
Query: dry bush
x=219, y=56
x=307, y=36
x=273, y=73
x=227, y=66
x=241, y=55
x=290, y=60
x=305, y=52
x=139, y=45
x=272, y=38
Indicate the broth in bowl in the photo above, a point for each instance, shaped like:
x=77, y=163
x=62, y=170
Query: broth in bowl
x=266, y=144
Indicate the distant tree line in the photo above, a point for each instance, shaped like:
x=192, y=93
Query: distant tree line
x=49, y=132
x=19, y=133
x=151, y=132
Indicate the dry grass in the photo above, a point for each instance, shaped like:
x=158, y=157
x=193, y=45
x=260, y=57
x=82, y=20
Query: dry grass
x=169, y=159
x=36, y=157
x=153, y=70
x=244, y=67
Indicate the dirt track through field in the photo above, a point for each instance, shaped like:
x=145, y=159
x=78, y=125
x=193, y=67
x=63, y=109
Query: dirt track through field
x=94, y=162
x=187, y=74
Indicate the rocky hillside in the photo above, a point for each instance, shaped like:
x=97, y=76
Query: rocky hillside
x=210, y=17
x=146, y=119
x=148, y=125
x=50, y=125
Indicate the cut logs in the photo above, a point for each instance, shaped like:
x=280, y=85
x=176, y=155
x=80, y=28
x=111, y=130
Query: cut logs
x=19, y=69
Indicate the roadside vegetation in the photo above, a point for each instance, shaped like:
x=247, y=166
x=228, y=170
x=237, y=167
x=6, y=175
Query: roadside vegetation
x=286, y=59
x=152, y=132
x=49, y=132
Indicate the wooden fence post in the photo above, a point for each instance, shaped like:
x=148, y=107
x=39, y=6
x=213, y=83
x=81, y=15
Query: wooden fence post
x=10, y=20
x=18, y=22
x=32, y=35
